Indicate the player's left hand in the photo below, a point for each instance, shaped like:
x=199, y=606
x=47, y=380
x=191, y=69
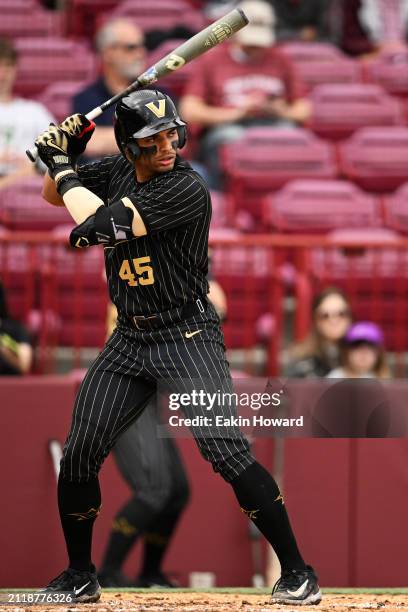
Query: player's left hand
x=52, y=148
x=78, y=130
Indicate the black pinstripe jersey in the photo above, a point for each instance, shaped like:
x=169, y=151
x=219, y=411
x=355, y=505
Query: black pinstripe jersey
x=166, y=268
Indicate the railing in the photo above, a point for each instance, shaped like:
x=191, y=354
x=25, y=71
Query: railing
x=61, y=293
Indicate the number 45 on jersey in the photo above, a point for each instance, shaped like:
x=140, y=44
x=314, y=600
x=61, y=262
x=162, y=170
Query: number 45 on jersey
x=137, y=271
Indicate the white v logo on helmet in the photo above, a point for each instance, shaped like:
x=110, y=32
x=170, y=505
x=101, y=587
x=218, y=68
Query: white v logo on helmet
x=160, y=110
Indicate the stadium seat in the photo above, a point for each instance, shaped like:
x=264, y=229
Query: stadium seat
x=43, y=62
x=311, y=206
x=174, y=83
x=24, y=18
x=249, y=276
x=318, y=63
x=219, y=210
x=57, y=97
x=23, y=208
x=308, y=52
x=390, y=70
x=337, y=71
x=339, y=110
x=396, y=210
x=376, y=158
x=264, y=159
x=79, y=293
x=160, y=14
x=84, y=14
x=20, y=274
x=371, y=270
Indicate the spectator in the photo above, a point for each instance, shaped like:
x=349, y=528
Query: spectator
x=301, y=19
x=362, y=354
x=20, y=121
x=120, y=45
x=16, y=353
x=241, y=83
x=367, y=26
x=320, y=352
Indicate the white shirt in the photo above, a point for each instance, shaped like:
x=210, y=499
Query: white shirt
x=21, y=121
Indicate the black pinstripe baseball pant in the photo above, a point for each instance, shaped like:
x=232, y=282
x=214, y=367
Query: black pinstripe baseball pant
x=124, y=377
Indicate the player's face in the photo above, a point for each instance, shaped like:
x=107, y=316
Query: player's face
x=158, y=153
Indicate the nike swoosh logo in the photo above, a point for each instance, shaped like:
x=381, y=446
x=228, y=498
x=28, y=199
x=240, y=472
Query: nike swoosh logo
x=300, y=590
x=78, y=591
x=191, y=334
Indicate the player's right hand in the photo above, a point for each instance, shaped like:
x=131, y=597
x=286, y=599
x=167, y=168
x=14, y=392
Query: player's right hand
x=78, y=130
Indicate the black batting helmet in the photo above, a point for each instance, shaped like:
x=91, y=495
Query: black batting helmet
x=144, y=113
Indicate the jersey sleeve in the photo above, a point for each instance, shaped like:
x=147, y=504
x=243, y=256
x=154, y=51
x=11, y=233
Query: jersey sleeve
x=175, y=201
x=95, y=176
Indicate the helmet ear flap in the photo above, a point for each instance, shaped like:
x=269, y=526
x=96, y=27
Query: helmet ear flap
x=182, y=136
x=133, y=149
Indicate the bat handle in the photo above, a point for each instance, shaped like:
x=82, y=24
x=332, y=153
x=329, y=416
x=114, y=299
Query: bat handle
x=32, y=154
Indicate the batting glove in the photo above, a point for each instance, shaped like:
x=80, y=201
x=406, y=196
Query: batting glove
x=52, y=148
x=78, y=130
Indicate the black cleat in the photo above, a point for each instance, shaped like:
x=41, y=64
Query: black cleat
x=297, y=587
x=114, y=580
x=82, y=586
x=151, y=581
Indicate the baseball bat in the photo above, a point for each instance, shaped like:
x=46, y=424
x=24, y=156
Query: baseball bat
x=210, y=37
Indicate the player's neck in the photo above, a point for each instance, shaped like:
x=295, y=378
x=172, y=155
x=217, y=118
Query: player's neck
x=143, y=175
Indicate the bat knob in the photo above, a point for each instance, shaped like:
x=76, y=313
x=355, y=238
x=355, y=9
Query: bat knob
x=32, y=154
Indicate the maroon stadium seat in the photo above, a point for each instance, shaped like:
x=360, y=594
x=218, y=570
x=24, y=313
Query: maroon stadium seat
x=57, y=97
x=318, y=63
x=339, y=110
x=264, y=159
x=174, y=83
x=311, y=206
x=374, y=279
x=337, y=71
x=79, y=293
x=247, y=275
x=376, y=158
x=305, y=52
x=396, y=210
x=84, y=14
x=390, y=70
x=27, y=18
x=160, y=14
x=219, y=210
x=23, y=208
x=44, y=61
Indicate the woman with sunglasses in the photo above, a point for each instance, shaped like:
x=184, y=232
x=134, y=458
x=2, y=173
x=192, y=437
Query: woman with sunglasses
x=319, y=353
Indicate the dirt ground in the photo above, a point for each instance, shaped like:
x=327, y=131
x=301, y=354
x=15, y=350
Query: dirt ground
x=221, y=602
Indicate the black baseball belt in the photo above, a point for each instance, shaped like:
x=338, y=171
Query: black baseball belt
x=161, y=319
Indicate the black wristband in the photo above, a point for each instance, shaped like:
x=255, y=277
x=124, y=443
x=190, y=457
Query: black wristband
x=67, y=182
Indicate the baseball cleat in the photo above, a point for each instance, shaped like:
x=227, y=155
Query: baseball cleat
x=157, y=580
x=114, y=580
x=297, y=587
x=82, y=586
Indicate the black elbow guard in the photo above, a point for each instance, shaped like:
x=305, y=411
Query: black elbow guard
x=110, y=224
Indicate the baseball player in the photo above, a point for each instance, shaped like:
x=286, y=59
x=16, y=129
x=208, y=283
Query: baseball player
x=151, y=213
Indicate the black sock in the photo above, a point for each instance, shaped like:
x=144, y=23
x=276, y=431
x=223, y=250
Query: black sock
x=260, y=499
x=79, y=505
x=131, y=521
x=157, y=539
